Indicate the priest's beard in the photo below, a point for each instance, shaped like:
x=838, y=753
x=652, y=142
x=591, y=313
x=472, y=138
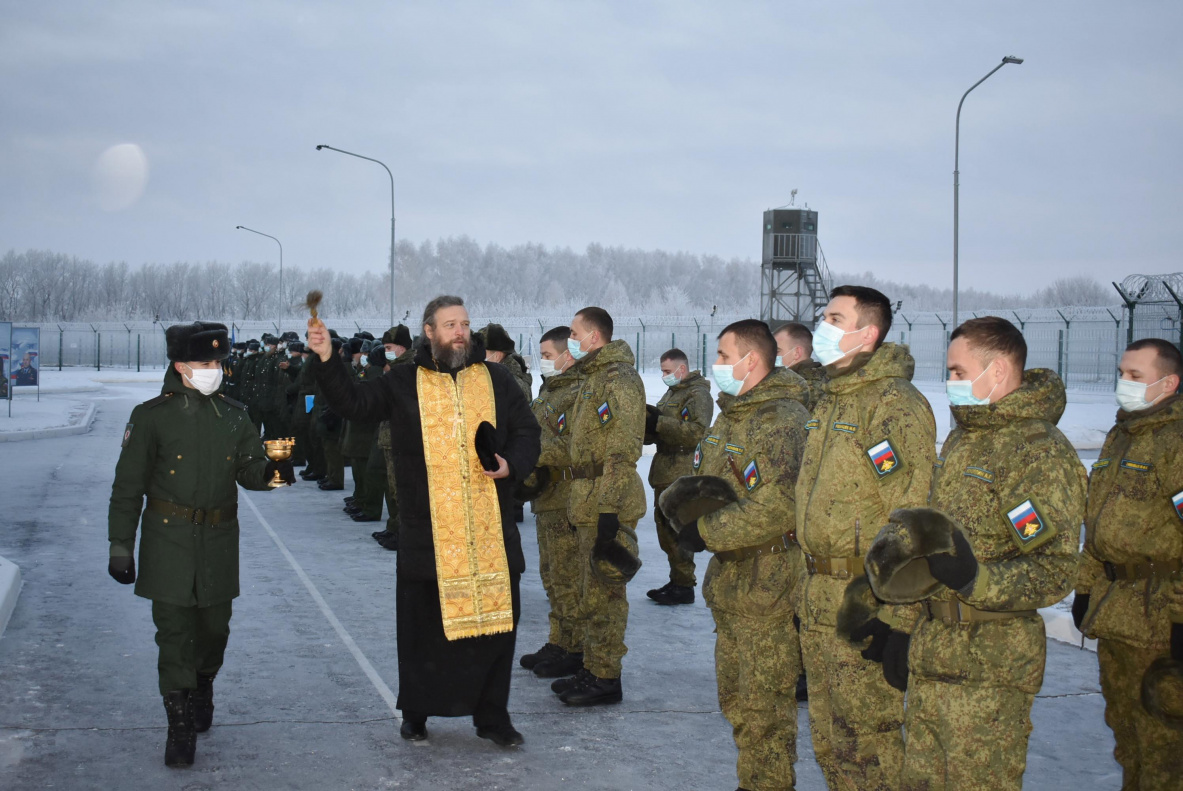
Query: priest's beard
x=451, y=355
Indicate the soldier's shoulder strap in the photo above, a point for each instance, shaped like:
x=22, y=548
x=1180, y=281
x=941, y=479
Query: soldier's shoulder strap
x=231, y=401
x=158, y=400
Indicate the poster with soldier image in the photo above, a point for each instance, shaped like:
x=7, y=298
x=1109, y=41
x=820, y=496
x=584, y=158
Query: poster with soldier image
x=24, y=356
x=5, y=353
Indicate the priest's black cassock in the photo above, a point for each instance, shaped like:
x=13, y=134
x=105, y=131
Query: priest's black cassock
x=437, y=676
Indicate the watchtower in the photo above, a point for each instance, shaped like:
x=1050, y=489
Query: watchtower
x=794, y=279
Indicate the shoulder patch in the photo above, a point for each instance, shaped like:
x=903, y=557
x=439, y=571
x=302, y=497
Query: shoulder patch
x=562, y=422
x=698, y=456
x=847, y=428
x=1176, y=500
x=1137, y=466
x=884, y=458
x=605, y=413
x=534, y=404
x=811, y=424
x=126, y=435
x=1100, y=464
x=158, y=400
x=685, y=413
x=979, y=473
x=1029, y=528
x=232, y=402
x=751, y=475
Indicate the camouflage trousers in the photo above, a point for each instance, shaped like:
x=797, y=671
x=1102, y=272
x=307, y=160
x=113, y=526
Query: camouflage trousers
x=757, y=661
x=961, y=736
x=681, y=567
x=603, y=609
x=1150, y=753
x=559, y=565
x=391, y=490
x=855, y=716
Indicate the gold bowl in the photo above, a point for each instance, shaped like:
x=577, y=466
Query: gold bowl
x=278, y=450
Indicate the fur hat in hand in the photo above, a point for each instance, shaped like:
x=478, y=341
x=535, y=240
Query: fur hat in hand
x=201, y=341
x=858, y=607
x=617, y=561
x=897, y=562
x=1162, y=691
x=693, y=496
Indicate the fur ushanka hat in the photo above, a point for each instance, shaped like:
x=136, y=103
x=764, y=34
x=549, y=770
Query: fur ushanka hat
x=201, y=341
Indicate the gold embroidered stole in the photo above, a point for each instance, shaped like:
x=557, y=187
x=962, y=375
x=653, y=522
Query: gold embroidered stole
x=470, y=563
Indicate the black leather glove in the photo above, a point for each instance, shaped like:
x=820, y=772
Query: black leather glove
x=287, y=473
x=1080, y=605
x=651, y=415
x=957, y=570
x=878, y=631
x=1177, y=641
x=122, y=570
x=895, y=659
x=690, y=539
x=607, y=526
x=486, y=446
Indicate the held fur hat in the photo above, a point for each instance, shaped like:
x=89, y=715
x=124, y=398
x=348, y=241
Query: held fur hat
x=693, y=496
x=399, y=336
x=1162, y=691
x=378, y=357
x=497, y=339
x=897, y=562
x=618, y=561
x=858, y=607
x=201, y=341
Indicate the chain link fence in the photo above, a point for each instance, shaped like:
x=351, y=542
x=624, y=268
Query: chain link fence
x=1083, y=345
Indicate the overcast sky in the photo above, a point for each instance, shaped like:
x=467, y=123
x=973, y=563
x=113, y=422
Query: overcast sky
x=667, y=125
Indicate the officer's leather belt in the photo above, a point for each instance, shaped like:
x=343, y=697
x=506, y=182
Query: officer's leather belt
x=842, y=568
x=198, y=516
x=1141, y=571
x=782, y=543
x=957, y=611
x=573, y=473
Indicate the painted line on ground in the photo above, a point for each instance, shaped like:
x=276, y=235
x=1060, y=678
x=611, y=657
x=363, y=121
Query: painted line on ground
x=362, y=661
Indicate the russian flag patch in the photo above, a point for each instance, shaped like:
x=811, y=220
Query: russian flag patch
x=1026, y=521
x=562, y=422
x=884, y=458
x=685, y=414
x=604, y=412
x=1177, y=501
x=751, y=475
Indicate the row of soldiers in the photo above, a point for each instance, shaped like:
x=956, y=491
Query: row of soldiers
x=843, y=543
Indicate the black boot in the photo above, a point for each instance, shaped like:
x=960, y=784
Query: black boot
x=181, y=743
x=656, y=592
x=202, y=702
x=389, y=541
x=674, y=594
x=414, y=727
x=594, y=692
x=548, y=651
x=361, y=517
x=558, y=666
x=501, y=735
x=564, y=684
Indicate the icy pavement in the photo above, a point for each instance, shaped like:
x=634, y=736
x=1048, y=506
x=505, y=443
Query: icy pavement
x=79, y=708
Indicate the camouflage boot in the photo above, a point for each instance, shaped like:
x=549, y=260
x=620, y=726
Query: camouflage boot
x=201, y=700
x=181, y=743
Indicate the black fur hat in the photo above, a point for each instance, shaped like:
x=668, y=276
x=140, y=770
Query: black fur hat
x=295, y=347
x=617, y=561
x=355, y=345
x=692, y=496
x=337, y=344
x=252, y=345
x=897, y=562
x=365, y=335
x=201, y=341
x=1162, y=691
x=859, y=606
x=496, y=338
x=290, y=336
x=399, y=336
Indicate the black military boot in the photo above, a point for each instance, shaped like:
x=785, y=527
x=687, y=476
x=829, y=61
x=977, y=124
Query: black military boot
x=201, y=700
x=564, y=684
x=594, y=691
x=414, y=727
x=504, y=735
x=548, y=651
x=181, y=743
x=389, y=541
x=563, y=664
x=653, y=594
x=674, y=594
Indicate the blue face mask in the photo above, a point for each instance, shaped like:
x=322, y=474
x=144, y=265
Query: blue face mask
x=826, y=340
x=961, y=392
x=576, y=348
x=671, y=380
x=391, y=356
x=724, y=376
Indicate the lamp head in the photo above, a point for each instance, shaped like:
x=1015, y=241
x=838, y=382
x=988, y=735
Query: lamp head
x=238, y=227
x=1012, y=59
x=318, y=148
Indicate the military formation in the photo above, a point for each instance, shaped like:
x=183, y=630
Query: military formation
x=898, y=581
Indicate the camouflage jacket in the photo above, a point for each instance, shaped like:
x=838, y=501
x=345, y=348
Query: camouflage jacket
x=1002, y=463
x=1135, y=514
x=686, y=412
x=553, y=409
x=870, y=449
x=517, y=366
x=756, y=446
x=814, y=374
x=608, y=429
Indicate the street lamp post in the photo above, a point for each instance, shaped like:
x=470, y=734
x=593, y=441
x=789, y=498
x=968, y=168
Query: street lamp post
x=957, y=173
x=388, y=173
x=282, y=298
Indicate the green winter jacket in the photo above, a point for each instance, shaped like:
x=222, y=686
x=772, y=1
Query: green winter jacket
x=814, y=374
x=553, y=409
x=192, y=451
x=686, y=411
x=999, y=459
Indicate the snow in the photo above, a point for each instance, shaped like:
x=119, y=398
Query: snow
x=67, y=396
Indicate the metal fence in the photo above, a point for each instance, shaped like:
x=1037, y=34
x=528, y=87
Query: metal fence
x=1083, y=345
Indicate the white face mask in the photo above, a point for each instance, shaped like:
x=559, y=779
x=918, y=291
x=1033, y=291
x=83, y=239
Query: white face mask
x=826, y=340
x=671, y=380
x=546, y=367
x=1131, y=395
x=391, y=356
x=205, y=380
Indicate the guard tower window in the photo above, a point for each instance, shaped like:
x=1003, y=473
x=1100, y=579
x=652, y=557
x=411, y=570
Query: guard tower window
x=810, y=226
x=788, y=226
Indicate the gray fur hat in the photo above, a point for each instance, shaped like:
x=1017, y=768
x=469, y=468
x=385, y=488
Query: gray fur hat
x=897, y=562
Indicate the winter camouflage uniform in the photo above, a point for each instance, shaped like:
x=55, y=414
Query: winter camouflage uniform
x=973, y=675
x=842, y=500
x=607, y=431
x=559, y=561
x=517, y=367
x=1135, y=516
x=686, y=412
x=756, y=445
x=814, y=374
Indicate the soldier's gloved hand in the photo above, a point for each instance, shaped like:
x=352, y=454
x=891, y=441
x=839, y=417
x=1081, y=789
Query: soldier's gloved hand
x=895, y=659
x=1177, y=641
x=122, y=570
x=957, y=570
x=287, y=473
x=690, y=538
x=651, y=415
x=1080, y=605
x=607, y=526
x=878, y=631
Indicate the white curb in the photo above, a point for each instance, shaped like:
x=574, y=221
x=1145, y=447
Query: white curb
x=10, y=589
x=57, y=431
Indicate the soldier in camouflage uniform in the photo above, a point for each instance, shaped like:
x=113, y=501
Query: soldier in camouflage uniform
x=187, y=451
x=607, y=499
x=499, y=348
x=870, y=449
x=676, y=424
x=559, y=561
x=1133, y=550
x=1009, y=491
x=794, y=347
x=756, y=445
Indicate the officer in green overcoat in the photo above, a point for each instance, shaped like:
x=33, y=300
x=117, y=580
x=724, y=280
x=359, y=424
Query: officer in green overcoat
x=186, y=451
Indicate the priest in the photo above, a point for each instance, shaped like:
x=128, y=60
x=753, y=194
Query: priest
x=462, y=437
